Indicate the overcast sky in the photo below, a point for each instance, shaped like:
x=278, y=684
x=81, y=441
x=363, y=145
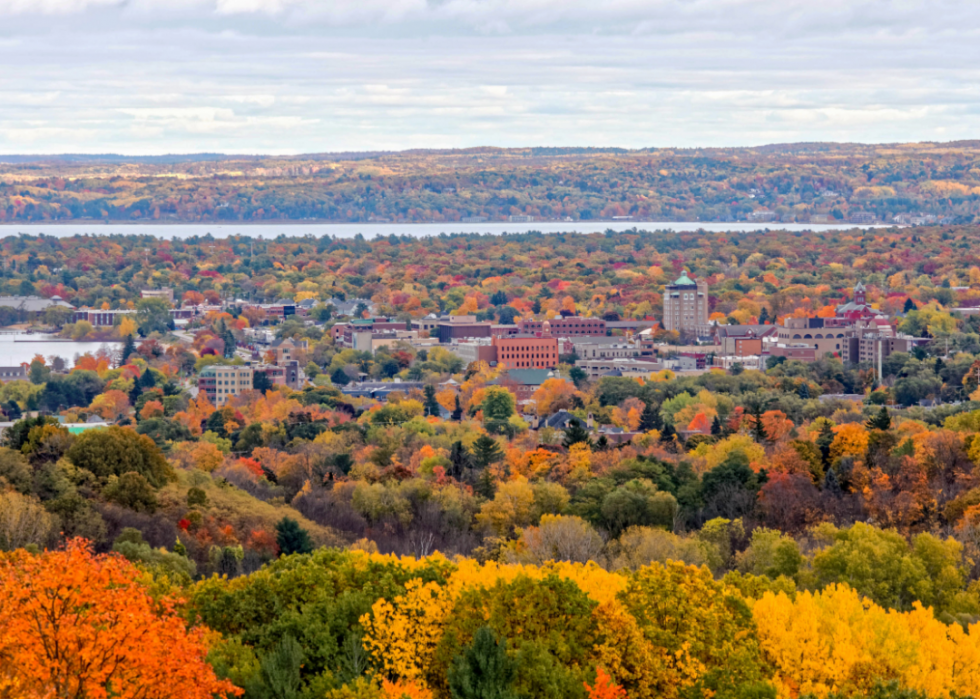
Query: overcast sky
x=299, y=76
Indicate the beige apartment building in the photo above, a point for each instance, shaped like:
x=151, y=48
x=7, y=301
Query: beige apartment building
x=221, y=382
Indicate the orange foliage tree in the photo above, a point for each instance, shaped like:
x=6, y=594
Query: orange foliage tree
x=74, y=624
x=604, y=687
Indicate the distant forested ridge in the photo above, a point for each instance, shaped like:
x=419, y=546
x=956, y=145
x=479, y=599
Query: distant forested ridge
x=805, y=182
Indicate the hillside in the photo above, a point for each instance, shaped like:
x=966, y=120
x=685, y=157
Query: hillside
x=804, y=182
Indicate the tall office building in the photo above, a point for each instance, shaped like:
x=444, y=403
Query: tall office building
x=686, y=307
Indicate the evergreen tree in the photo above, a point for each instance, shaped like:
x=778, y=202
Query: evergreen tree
x=716, y=426
x=486, y=451
x=460, y=460
x=499, y=298
x=824, y=439
x=758, y=429
x=602, y=444
x=668, y=433
x=281, y=670
x=129, y=346
x=292, y=538
x=483, y=670
x=485, y=486
x=650, y=418
x=261, y=382
x=431, y=405
x=764, y=316
x=881, y=421
x=135, y=392
x=803, y=391
x=909, y=305
x=576, y=433
x=457, y=411
x=147, y=380
x=339, y=378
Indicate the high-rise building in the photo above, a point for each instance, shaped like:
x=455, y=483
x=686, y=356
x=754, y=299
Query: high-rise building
x=686, y=307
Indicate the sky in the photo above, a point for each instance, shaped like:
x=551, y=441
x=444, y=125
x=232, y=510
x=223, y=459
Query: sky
x=310, y=76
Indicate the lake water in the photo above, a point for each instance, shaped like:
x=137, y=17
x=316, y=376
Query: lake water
x=18, y=349
x=372, y=230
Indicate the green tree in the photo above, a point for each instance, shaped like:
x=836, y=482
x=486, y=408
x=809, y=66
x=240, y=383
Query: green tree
x=880, y=420
x=113, y=451
x=281, y=670
x=292, y=538
x=131, y=490
x=431, y=404
x=498, y=404
x=483, y=670
x=261, y=382
x=129, y=347
x=650, y=418
x=486, y=451
x=576, y=433
x=153, y=315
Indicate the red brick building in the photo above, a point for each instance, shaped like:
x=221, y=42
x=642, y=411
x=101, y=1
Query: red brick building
x=572, y=325
x=526, y=351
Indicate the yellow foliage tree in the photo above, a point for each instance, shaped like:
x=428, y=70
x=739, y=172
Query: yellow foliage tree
x=402, y=635
x=836, y=641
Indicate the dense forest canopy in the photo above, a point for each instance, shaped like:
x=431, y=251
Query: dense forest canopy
x=796, y=182
x=807, y=529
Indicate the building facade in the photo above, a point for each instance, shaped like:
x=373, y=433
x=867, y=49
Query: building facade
x=564, y=327
x=220, y=382
x=686, y=307
x=526, y=351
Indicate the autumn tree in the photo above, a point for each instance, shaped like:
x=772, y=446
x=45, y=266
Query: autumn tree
x=73, y=624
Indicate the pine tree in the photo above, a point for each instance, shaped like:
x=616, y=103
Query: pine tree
x=575, y=434
x=483, y=670
x=764, y=316
x=459, y=459
x=881, y=421
x=716, y=426
x=339, y=378
x=909, y=305
x=803, y=391
x=485, y=486
x=135, y=392
x=650, y=418
x=486, y=451
x=147, y=380
x=457, y=411
x=292, y=538
x=281, y=669
x=129, y=346
x=824, y=439
x=431, y=405
x=758, y=429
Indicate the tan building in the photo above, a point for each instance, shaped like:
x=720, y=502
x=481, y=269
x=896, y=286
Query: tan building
x=221, y=382
x=686, y=307
x=165, y=293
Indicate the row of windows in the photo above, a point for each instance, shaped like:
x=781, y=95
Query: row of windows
x=818, y=336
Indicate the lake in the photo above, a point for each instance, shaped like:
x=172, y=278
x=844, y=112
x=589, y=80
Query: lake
x=373, y=230
x=19, y=349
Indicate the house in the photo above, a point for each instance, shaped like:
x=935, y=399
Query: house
x=523, y=382
x=379, y=390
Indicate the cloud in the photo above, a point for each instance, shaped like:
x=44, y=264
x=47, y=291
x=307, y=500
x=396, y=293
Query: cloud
x=292, y=76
